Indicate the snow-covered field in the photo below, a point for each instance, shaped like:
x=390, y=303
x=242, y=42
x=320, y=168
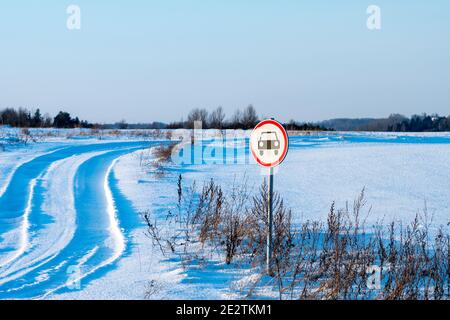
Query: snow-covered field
x=70, y=225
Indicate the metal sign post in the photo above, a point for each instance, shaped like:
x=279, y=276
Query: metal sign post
x=269, y=145
x=270, y=223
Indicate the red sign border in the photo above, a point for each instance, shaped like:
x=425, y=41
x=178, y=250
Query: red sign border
x=286, y=145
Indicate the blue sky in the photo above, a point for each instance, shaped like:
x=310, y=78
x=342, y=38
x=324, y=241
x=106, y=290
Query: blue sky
x=155, y=60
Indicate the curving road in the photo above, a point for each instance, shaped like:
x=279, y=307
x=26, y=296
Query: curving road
x=60, y=222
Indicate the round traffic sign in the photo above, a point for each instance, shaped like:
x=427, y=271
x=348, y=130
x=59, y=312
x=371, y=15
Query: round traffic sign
x=269, y=143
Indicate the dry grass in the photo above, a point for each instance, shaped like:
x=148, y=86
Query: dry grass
x=156, y=158
x=313, y=260
x=163, y=153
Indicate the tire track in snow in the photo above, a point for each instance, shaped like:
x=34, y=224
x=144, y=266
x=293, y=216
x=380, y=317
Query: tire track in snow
x=59, y=200
x=12, y=202
x=23, y=231
x=43, y=274
x=114, y=226
x=7, y=180
x=114, y=229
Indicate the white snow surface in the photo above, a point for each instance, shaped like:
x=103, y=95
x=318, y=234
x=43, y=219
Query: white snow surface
x=400, y=180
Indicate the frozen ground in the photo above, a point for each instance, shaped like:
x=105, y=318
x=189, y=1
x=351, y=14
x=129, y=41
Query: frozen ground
x=69, y=208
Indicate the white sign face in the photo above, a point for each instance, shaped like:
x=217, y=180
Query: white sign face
x=269, y=143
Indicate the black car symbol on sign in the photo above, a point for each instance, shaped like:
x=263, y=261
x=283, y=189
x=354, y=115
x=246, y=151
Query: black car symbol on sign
x=268, y=141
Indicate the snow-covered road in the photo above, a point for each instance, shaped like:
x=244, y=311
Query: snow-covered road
x=58, y=220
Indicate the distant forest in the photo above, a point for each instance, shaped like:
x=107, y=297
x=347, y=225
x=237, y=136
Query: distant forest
x=24, y=118
x=393, y=123
x=241, y=119
x=246, y=118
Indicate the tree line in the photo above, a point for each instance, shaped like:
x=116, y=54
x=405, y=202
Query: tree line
x=244, y=119
x=417, y=123
x=240, y=119
x=24, y=118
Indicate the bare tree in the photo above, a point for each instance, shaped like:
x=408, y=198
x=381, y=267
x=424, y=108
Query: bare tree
x=47, y=121
x=216, y=118
x=198, y=115
x=235, y=121
x=249, y=117
x=122, y=124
